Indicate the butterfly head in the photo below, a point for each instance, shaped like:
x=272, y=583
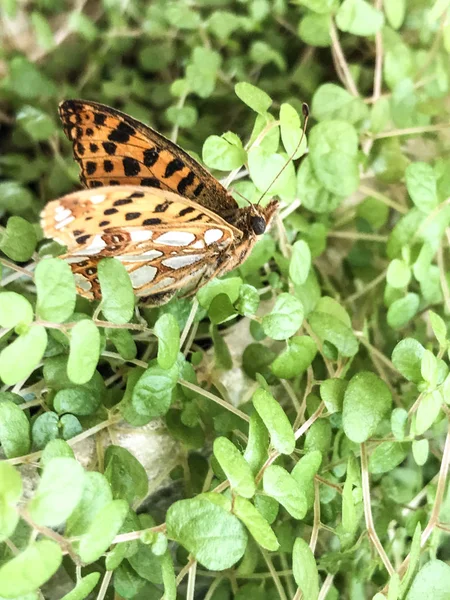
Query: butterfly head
x=261, y=216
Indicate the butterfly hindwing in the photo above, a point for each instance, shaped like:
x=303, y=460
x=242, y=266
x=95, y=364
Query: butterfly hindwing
x=166, y=242
x=112, y=148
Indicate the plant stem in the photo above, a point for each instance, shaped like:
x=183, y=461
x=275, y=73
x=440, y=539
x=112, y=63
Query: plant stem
x=275, y=577
x=341, y=62
x=216, y=399
x=368, y=512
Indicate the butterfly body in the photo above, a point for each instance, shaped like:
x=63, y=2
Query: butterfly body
x=148, y=204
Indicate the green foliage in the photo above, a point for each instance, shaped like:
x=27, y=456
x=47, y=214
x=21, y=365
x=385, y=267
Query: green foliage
x=295, y=400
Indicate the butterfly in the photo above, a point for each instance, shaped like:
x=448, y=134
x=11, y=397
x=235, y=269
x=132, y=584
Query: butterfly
x=148, y=204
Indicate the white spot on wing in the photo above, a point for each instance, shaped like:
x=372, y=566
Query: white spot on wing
x=83, y=283
x=65, y=222
x=141, y=235
x=213, y=235
x=60, y=215
x=165, y=282
x=200, y=244
x=144, y=257
x=97, y=198
x=143, y=275
x=178, y=262
x=175, y=238
x=94, y=247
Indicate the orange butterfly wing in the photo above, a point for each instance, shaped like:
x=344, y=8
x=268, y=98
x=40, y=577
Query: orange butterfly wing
x=166, y=243
x=112, y=148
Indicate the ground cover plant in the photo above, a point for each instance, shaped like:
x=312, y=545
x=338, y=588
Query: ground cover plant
x=285, y=434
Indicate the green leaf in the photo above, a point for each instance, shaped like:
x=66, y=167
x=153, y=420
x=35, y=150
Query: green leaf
x=235, y=467
x=401, y=311
x=96, y=495
x=300, y=263
x=14, y=430
x=420, y=450
x=223, y=153
x=216, y=538
x=398, y=274
x=332, y=392
x=407, y=358
x=331, y=329
x=168, y=333
x=256, y=524
x=359, y=18
x=276, y=421
x=201, y=72
x=221, y=309
x=319, y=6
x=103, y=530
x=80, y=401
x=83, y=588
x=221, y=351
x=271, y=172
x=55, y=449
x=56, y=291
x=428, y=411
x=19, y=239
x=126, y=475
x=333, y=150
x=117, y=291
x=83, y=25
x=36, y=123
x=14, y=309
x=58, y=493
x=305, y=471
x=367, y=399
x=30, y=569
x=152, y=394
x=281, y=486
x=123, y=341
x=10, y=493
x=182, y=16
x=258, y=100
x=331, y=101
x=45, y=428
x=314, y=30
x=387, y=456
x=432, y=581
x=169, y=578
x=315, y=197
x=438, y=326
x=421, y=186
x=399, y=420
x=84, y=351
x=305, y=570
x=291, y=132
x=229, y=286
x=27, y=81
x=248, y=301
x=294, y=361
x=284, y=319
x=19, y=359
x=258, y=443
x=414, y=557
x=395, y=14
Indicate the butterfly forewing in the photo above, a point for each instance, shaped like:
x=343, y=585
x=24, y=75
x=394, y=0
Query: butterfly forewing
x=166, y=242
x=112, y=148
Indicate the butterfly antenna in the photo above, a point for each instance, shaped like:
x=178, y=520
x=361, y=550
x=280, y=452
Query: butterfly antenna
x=305, y=111
x=243, y=197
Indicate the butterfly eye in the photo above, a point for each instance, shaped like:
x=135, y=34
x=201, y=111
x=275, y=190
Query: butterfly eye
x=258, y=224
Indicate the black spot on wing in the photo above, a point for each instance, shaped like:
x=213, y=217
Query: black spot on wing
x=109, y=148
x=152, y=221
x=82, y=239
x=110, y=211
x=114, y=182
x=175, y=165
x=103, y=223
x=132, y=215
x=137, y=195
x=108, y=166
x=122, y=201
x=93, y=148
x=185, y=183
x=131, y=166
x=99, y=118
x=160, y=208
x=151, y=156
x=198, y=190
x=186, y=211
x=80, y=149
x=94, y=183
x=91, y=167
x=151, y=182
x=89, y=131
x=121, y=133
